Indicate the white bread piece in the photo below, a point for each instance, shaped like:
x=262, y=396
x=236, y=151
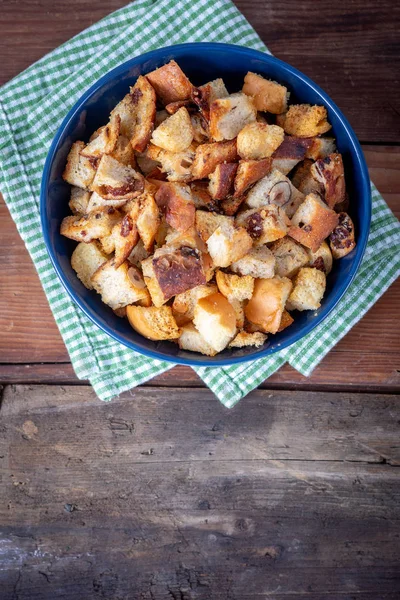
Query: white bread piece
x=175, y=134
x=205, y=95
x=304, y=181
x=148, y=220
x=170, y=83
x=216, y=89
x=153, y=323
x=248, y=173
x=123, y=152
x=96, y=202
x=124, y=237
x=238, y=307
x=185, y=303
x=229, y=115
x=120, y=286
x=208, y=156
x=106, y=141
x=207, y=223
x=215, y=319
x=259, y=262
x=265, y=224
x=85, y=260
x=146, y=164
x=114, y=181
x=176, y=165
x=79, y=171
x=268, y=303
x=268, y=96
x=321, y=259
x=234, y=286
x=200, y=128
x=313, y=222
x=79, y=200
x=97, y=224
x=191, y=339
x=228, y=244
x=342, y=239
x=321, y=147
x=304, y=120
x=138, y=254
x=277, y=189
x=290, y=257
x=259, y=140
x=308, y=290
x=244, y=339
x=329, y=171
x=175, y=201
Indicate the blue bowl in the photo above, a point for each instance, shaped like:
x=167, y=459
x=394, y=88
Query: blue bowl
x=201, y=62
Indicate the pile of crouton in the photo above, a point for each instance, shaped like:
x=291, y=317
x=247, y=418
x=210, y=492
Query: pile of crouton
x=206, y=218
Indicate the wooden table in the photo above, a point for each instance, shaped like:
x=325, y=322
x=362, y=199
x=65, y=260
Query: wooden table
x=163, y=493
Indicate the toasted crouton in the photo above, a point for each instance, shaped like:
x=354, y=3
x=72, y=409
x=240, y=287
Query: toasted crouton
x=215, y=319
x=268, y=96
x=290, y=257
x=321, y=259
x=175, y=134
x=249, y=172
x=175, y=201
x=259, y=140
x=96, y=202
x=312, y=222
x=231, y=205
x=114, y=181
x=152, y=322
x=243, y=339
x=221, y=180
x=329, y=172
x=148, y=220
x=205, y=95
x=79, y=170
x=124, y=237
x=238, y=307
x=176, y=165
x=207, y=223
x=259, y=262
x=106, y=141
x=268, y=303
x=191, y=339
x=173, y=107
x=184, y=304
x=228, y=244
x=170, y=83
x=342, y=239
x=304, y=120
x=85, y=260
x=280, y=119
x=290, y=153
x=286, y=321
x=321, y=147
x=79, y=200
x=97, y=224
x=234, y=286
x=138, y=254
x=277, y=189
x=308, y=290
x=123, y=152
x=208, y=156
x=201, y=196
x=265, y=224
x=229, y=115
x=120, y=286
x=200, y=128
x=303, y=180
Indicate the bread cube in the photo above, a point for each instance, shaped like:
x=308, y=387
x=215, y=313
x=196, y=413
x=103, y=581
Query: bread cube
x=138, y=254
x=153, y=323
x=244, y=339
x=96, y=202
x=304, y=120
x=205, y=95
x=268, y=96
x=290, y=153
x=221, y=180
x=228, y=244
x=231, y=205
x=170, y=83
x=267, y=304
x=321, y=147
x=321, y=259
x=286, y=321
x=79, y=200
x=229, y=115
x=106, y=141
x=215, y=319
x=308, y=290
x=206, y=223
x=277, y=189
x=97, y=224
x=85, y=260
x=290, y=257
x=304, y=181
x=191, y=339
x=124, y=237
x=259, y=140
x=175, y=134
x=200, y=128
x=176, y=165
x=313, y=222
x=265, y=224
x=208, y=156
x=249, y=172
x=259, y=262
x=201, y=196
x=342, y=239
x=123, y=152
x=120, y=286
x=148, y=220
x=79, y=170
x=176, y=203
x=173, y=107
x=184, y=304
x=234, y=286
x=329, y=172
x=114, y=181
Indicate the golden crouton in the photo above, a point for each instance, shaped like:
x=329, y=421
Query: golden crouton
x=106, y=141
x=124, y=237
x=259, y=262
x=280, y=119
x=191, y=339
x=85, y=260
x=290, y=153
x=286, y=321
x=249, y=172
x=120, y=286
x=244, y=339
x=79, y=200
x=184, y=304
x=265, y=224
x=208, y=156
x=304, y=120
x=231, y=205
x=175, y=201
x=138, y=254
x=268, y=96
x=321, y=147
x=175, y=134
x=114, y=181
x=200, y=128
x=259, y=140
x=221, y=180
x=176, y=165
x=201, y=196
x=79, y=170
x=205, y=95
x=207, y=223
x=329, y=172
x=308, y=290
x=123, y=152
x=228, y=244
x=96, y=202
x=173, y=107
x=342, y=239
x=170, y=83
x=277, y=189
x=321, y=259
x=312, y=222
x=152, y=322
x=290, y=257
x=97, y=224
x=268, y=303
x=148, y=220
x=303, y=180
x=215, y=319
x=234, y=286
x=229, y=115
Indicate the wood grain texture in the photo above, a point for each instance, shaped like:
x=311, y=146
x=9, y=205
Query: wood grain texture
x=172, y=497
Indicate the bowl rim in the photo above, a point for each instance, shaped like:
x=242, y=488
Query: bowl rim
x=361, y=241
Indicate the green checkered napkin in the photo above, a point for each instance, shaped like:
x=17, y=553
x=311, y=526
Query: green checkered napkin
x=32, y=106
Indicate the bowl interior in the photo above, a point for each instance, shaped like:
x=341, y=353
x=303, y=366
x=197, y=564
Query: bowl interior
x=201, y=62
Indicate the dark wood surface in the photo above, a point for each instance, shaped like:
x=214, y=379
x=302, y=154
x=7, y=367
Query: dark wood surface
x=163, y=494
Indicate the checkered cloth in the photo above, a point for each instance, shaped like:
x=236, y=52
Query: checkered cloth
x=31, y=108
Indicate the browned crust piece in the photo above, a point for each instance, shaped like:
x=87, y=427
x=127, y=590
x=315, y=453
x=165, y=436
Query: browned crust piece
x=342, y=239
x=170, y=83
x=286, y=321
x=176, y=203
x=201, y=196
x=173, y=107
x=315, y=226
x=290, y=153
x=303, y=180
x=144, y=96
x=126, y=237
x=221, y=180
x=208, y=156
x=115, y=181
x=231, y=205
x=330, y=172
x=201, y=97
x=248, y=173
x=179, y=271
